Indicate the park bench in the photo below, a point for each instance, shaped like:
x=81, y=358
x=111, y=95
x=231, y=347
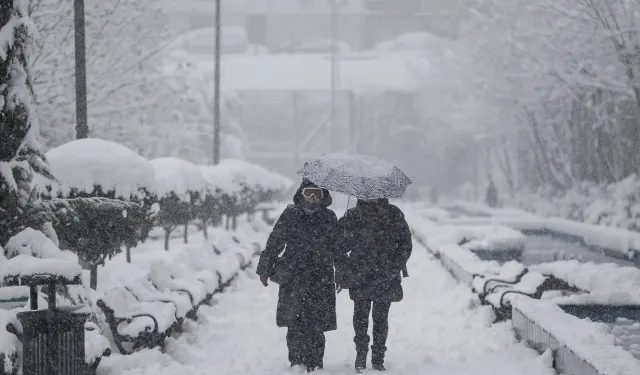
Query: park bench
x=145, y=291
x=499, y=292
x=198, y=285
x=137, y=324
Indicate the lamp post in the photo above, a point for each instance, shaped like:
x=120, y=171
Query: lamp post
x=216, y=87
x=82, y=127
x=335, y=69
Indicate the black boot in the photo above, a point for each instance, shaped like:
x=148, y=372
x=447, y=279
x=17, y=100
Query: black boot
x=361, y=360
x=377, y=358
x=379, y=367
x=312, y=368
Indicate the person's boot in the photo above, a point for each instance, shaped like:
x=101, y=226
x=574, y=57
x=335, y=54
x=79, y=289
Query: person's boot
x=361, y=360
x=298, y=368
x=377, y=358
x=378, y=367
x=312, y=368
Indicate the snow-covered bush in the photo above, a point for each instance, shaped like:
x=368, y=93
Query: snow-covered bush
x=239, y=186
x=210, y=209
x=616, y=205
x=180, y=187
x=95, y=168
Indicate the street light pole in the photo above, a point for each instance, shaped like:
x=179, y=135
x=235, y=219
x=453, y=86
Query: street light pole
x=82, y=126
x=335, y=72
x=216, y=87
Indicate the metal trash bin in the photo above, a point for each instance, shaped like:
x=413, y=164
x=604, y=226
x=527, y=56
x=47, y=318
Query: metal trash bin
x=53, y=342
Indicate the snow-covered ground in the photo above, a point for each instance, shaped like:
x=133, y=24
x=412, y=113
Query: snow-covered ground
x=437, y=329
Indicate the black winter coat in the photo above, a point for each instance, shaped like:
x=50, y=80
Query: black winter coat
x=374, y=245
x=307, y=299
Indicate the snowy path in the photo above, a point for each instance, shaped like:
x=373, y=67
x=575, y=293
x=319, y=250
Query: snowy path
x=434, y=331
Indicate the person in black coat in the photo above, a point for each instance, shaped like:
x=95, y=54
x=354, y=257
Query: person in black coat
x=374, y=245
x=491, y=196
x=305, y=272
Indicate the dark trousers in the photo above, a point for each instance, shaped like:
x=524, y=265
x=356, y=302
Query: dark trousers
x=306, y=347
x=361, y=311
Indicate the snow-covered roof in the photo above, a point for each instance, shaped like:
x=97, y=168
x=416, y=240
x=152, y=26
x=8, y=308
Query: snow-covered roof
x=84, y=163
x=177, y=176
x=368, y=74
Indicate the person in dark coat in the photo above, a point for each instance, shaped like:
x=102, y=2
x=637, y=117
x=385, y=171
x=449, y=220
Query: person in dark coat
x=374, y=245
x=491, y=196
x=305, y=272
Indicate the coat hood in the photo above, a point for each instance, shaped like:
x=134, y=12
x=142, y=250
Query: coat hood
x=297, y=198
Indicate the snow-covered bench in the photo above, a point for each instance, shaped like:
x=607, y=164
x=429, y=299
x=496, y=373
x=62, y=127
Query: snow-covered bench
x=145, y=291
x=96, y=346
x=138, y=324
x=146, y=310
x=175, y=279
x=499, y=292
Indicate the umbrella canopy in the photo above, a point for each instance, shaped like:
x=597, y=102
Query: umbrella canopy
x=361, y=176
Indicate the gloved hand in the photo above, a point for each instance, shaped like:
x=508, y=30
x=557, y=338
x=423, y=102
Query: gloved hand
x=263, y=280
x=338, y=288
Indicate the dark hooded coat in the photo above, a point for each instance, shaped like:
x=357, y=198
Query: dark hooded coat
x=374, y=245
x=306, y=298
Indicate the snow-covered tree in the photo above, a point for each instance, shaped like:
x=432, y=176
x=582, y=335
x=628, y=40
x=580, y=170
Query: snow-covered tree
x=124, y=41
x=182, y=124
x=553, y=86
x=21, y=154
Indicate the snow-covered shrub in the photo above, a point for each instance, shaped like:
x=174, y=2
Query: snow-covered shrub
x=240, y=186
x=209, y=211
x=180, y=187
x=95, y=168
x=140, y=221
x=616, y=205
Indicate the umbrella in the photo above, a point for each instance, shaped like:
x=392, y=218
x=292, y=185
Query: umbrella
x=361, y=176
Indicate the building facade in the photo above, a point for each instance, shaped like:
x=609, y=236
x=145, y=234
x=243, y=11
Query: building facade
x=362, y=24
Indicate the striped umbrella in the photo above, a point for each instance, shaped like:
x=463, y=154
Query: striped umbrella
x=361, y=176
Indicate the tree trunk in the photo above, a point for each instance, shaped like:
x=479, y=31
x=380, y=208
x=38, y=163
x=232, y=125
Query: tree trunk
x=128, y=254
x=186, y=233
x=93, y=280
x=227, y=222
x=167, y=233
x=235, y=222
x=204, y=229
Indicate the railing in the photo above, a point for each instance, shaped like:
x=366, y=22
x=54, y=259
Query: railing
x=565, y=360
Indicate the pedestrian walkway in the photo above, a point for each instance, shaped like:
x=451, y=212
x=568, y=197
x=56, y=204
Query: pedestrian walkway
x=436, y=330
